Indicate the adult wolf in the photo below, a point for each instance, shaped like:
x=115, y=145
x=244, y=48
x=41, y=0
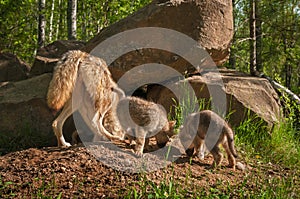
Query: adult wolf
x=91, y=79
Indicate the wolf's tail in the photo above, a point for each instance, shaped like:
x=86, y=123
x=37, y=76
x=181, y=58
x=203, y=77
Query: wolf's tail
x=230, y=140
x=64, y=78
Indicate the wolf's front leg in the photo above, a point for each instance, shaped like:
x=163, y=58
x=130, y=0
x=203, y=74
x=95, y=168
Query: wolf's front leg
x=201, y=149
x=140, y=141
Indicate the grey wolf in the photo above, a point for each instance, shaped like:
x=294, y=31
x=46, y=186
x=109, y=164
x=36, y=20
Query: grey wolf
x=198, y=124
x=94, y=92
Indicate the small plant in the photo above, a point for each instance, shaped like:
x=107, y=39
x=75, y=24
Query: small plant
x=43, y=189
x=188, y=104
x=5, y=188
x=166, y=188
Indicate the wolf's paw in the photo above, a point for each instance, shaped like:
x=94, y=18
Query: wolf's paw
x=64, y=144
x=201, y=156
x=67, y=144
x=139, y=154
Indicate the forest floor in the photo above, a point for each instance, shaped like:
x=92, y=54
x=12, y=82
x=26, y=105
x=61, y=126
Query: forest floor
x=75, y=173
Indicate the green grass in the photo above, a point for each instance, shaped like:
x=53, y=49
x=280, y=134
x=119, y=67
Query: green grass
x=255, y=185
x=4, y=188
x=281, y=146
x=166, y=188
x=39, y=188
x=264, y=150
x=184, y=108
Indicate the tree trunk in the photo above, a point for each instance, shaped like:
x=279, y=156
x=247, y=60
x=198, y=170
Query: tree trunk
x=58, y=20
x=232, y=59
x=258, y=37
x=71, y=18
x=298, y=75
x=252, y=22
x=84, y=22
x=51, y=21
x=287, y=65
x=42, y=24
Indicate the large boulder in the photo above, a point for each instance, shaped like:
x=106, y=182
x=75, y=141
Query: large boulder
x=48, y=56
x=25, y=117
x=208, y=23
x=244, y=95
x=12, y=68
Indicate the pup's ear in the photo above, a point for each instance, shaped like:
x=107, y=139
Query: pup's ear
x=172, y=124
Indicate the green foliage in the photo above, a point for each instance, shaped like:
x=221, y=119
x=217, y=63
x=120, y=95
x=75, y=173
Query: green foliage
x=252, y=135
x=256, y=143
x=18, y=29
x=280, y=39
x=280, y=29
x=187, y=105
x=260, y=188
x=19, y=22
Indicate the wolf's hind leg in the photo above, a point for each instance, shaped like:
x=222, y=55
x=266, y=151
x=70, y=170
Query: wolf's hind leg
x=230, y=156
x=58, y=123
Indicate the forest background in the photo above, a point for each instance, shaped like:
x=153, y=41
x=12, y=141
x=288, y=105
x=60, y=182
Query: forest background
x=266, y=39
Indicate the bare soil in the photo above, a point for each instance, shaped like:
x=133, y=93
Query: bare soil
x=75, y=173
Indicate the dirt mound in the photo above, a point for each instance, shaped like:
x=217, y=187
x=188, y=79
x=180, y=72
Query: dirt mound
x=74, y=172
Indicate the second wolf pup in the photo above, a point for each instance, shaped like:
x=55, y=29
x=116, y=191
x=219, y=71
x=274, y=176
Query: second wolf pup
x=206, y=129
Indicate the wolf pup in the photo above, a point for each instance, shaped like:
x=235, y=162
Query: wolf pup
x=205, y=129
x=94, y=87
x=143, y=119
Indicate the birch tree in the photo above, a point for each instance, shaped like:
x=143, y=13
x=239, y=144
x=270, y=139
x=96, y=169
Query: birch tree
x=71, y=19
x=51, y=20
x=252, y=26
x=41, y=23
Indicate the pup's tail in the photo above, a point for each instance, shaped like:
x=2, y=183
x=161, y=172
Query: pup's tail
x=64, y=78
x=230, y=140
